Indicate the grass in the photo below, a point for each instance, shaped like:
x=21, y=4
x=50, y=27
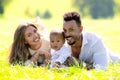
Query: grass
x=73, y=73
x=107, y=29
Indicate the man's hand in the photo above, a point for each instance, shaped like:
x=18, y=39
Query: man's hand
x=89, y=67
x=73, y=61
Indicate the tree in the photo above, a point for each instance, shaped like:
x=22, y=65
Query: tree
x=2, y=5
x=1, y=10
x=96, y=8
x=47, y=14
x=117, y=8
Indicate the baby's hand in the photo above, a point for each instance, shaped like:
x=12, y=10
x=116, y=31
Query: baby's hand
x=57, y=64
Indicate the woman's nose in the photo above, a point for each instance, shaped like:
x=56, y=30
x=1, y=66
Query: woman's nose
x=35, y=35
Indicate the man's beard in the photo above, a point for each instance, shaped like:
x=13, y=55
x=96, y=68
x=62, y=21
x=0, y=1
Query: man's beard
x=71, y=43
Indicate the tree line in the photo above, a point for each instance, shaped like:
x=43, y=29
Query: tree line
x=97, y=8
x=93, y=8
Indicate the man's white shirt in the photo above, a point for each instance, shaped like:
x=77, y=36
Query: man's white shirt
x=94, y=52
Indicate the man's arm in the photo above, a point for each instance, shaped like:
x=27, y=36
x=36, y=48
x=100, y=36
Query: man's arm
x=100, y=55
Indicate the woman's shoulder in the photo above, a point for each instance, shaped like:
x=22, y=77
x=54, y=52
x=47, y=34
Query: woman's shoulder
x=45, y=44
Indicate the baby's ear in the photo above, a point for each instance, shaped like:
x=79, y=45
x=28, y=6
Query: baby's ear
x=81, y=28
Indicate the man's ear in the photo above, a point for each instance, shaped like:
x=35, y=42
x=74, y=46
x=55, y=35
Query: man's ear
x=81, y=28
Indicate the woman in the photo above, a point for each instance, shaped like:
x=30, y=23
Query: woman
x=29, y=47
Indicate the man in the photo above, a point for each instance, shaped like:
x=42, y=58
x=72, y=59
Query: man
x=85, y=46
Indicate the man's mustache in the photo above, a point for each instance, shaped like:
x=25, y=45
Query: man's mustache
x=67, y=36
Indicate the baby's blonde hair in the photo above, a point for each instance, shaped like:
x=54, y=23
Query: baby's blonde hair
x=57, y=31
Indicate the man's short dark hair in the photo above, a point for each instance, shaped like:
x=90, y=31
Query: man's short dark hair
x=73, y=17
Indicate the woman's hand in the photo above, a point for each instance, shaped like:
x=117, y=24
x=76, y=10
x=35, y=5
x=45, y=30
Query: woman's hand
x=44, y=53
x=34, y=58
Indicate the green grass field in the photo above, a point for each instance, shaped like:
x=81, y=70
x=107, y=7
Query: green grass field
x=109, y=30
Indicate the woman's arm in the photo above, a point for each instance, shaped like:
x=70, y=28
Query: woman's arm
x=33, y=60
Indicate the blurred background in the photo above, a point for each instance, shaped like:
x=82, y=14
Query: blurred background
x=99, y=16
x=56, y=8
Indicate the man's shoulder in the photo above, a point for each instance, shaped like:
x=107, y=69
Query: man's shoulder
x=90, y=35
x=91, y=38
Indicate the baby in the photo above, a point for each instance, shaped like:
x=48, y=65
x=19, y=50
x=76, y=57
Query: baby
x=59, y=51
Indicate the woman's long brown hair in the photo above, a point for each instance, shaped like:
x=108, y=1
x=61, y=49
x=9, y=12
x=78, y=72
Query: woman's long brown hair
x=19, y=51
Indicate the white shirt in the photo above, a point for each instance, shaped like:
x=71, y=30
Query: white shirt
x=93, y=51
x=60, y=55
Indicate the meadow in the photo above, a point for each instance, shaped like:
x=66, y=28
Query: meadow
x=109, y=30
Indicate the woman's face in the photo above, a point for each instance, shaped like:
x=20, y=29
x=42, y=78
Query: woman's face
x=32, y=37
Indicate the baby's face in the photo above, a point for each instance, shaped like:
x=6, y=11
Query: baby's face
x=56, y=42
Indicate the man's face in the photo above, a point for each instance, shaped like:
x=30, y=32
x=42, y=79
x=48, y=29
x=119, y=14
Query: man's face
x=72, y=32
